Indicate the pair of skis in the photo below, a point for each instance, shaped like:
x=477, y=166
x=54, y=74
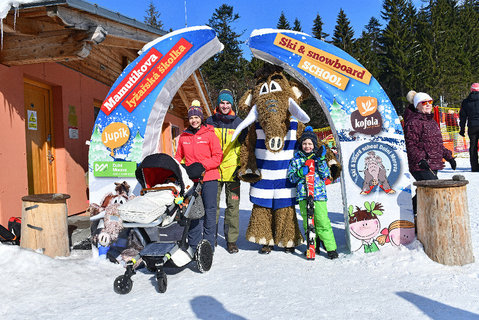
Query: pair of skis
x=310, y=232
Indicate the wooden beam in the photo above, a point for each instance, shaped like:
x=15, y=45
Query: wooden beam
x=23, y=25
x=37, y=12
x=103, y=63
x=54, y=46
x=201, y=93
x=85, y=21
x=183, y=97
x=120, y=42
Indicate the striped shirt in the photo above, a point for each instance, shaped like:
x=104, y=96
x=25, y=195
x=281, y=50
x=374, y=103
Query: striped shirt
x=274, y=190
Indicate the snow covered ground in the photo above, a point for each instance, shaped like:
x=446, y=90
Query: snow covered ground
x=390, y=284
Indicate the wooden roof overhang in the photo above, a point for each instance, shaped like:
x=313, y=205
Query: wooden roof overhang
x=86, y=38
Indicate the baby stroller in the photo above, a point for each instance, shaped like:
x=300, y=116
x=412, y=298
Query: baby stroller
x=163, y=230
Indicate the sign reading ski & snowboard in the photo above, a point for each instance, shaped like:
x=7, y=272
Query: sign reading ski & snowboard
x=375, y=181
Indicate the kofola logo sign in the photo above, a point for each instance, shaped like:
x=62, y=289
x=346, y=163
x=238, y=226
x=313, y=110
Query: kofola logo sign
x=321, y=62
x=367, y=118
x=129, y=82
x=160, y=70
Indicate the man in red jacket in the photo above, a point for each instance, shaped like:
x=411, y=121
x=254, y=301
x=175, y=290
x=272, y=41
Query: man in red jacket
x=199, y=144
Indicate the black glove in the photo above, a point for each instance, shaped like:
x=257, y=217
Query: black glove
x=321, y=153
x=195, y=170
x=453, y=163
x=462, y=132
x=423, y=164
x=334, y=171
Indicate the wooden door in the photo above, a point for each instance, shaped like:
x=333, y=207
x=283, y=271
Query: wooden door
x=39, y=138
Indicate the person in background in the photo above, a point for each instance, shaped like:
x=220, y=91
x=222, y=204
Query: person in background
x=225, y=122
x=199, y=144
x=424, y=145
x=470, y=113
x=307, y=146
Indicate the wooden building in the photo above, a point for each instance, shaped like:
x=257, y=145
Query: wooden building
x=58, y=60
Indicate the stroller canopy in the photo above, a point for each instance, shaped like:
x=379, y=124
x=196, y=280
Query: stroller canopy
x=161, y=168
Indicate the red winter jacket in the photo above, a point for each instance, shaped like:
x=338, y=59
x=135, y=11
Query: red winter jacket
x=423, y=140
x=203, y=147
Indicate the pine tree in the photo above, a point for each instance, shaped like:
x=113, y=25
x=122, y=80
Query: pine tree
x=225, y=69
x=343, y=35
x=98, y=151
x=297, y=25
x=367, y=48
x=446, y=70
x=152, y=17
x=399, y=51
x=338, y=115
x=318, y=28
x=136, y=148
x=468, y=51
x=283, y=22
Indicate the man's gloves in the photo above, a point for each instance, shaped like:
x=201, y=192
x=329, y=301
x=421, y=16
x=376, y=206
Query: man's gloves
x=303, y=171
x=423, y=164
x=453, y=164
x=462, y=133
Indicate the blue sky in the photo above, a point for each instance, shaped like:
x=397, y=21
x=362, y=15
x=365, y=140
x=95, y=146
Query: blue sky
x=254, y=14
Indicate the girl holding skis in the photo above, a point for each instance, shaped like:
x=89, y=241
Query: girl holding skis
x=307, y=148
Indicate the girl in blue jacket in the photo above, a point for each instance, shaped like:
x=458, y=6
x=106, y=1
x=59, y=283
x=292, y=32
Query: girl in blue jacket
x=307, y=146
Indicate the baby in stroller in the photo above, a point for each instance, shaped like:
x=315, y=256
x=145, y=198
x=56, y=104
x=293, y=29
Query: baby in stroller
x=160, y=219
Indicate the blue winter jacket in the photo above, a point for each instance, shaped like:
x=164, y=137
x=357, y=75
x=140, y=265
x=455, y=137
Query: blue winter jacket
x=295, y=176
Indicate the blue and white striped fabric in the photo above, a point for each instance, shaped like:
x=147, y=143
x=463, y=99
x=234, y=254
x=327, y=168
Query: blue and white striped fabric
x=274, y=190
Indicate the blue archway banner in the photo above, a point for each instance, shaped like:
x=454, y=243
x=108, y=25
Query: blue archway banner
x=375, y=179
x=129, y=124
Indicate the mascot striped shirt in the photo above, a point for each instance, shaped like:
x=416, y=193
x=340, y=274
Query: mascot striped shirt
x=274, y=190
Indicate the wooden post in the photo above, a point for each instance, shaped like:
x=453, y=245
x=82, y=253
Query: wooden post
x=44, y=224
x=443, y=225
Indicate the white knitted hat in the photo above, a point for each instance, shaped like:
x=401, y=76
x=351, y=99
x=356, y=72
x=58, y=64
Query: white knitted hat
x=420, y=97
x=410, y=96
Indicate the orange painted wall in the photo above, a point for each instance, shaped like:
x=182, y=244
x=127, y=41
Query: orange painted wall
x=69, y=88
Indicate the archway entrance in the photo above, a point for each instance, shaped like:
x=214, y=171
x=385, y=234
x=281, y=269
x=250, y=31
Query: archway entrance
x=375, y=180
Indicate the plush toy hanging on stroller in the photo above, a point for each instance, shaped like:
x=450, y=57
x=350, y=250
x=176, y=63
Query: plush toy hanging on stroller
x=163, y=229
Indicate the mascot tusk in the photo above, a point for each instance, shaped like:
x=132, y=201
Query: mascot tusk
x=297, y=112
x=250, y=119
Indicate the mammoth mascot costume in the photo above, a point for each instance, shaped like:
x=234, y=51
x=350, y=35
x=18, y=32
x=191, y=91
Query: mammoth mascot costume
x=273, y=110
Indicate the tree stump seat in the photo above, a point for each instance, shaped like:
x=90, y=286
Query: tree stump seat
x=44, y=224
x=443, y=225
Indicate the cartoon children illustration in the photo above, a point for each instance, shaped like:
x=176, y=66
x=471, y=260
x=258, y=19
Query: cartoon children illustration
x=365, y=225
x=374, y=174
x=399, y=232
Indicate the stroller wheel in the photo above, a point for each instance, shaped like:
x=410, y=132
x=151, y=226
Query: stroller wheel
x=122, y=284
x=204, y=256
x=162, y=282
